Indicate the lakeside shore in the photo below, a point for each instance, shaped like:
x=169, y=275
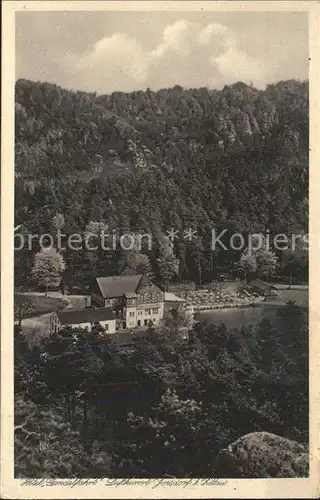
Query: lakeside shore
x=205, y=300
x=224, y=305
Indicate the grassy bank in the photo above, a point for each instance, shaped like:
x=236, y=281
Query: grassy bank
x=44, y=305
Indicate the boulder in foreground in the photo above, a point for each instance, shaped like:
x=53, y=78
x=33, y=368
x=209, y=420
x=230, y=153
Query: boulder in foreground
x=262, y=455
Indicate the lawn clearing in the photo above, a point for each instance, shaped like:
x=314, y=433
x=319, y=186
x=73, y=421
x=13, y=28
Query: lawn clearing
x=44, y=305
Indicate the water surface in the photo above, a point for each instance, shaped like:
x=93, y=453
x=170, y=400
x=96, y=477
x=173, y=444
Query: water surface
x=280, y=317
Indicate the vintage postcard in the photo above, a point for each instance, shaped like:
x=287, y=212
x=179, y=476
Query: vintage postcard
x=159, y=251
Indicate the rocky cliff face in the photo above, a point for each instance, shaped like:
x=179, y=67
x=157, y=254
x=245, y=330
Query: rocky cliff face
x=235, y=118
x=238, y=155
x=263, y=455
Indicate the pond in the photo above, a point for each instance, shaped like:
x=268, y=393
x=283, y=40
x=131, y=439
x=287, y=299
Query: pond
x=280, y=317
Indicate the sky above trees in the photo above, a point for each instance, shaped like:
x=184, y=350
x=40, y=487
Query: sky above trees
x=126, y=51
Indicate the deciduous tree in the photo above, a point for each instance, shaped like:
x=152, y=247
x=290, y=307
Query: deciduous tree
x=266, y=263
x=247, y=265
x=167, y=262
x=48, y=268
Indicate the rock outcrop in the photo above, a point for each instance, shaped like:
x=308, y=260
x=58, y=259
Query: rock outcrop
x=262, y=455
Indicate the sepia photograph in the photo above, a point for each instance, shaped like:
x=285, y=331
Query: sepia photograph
x=160, y=260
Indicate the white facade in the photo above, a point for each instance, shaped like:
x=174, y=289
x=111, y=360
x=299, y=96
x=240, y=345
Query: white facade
x=108, y=325
x=130, y=316
x=150, y=311
x=141, y=315
x=81, y=325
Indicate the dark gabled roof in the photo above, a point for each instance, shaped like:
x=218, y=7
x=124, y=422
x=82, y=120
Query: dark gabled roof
x=261, y=284
x=117, y=286
x=77, y=316
x=146, y=286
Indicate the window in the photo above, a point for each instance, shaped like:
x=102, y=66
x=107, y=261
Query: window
x=106, y=327
x=155, y=310
x=145, y=322
x=148, y=311
x=131, y=313
x=139, y=322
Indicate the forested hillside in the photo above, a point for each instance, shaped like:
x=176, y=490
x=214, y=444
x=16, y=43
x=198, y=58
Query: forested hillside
x=235, y=158
x=161, y=406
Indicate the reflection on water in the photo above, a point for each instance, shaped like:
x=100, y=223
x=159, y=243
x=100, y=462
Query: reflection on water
x=280, y=317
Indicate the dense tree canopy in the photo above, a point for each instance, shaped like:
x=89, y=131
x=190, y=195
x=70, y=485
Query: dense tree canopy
x=167, y=406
